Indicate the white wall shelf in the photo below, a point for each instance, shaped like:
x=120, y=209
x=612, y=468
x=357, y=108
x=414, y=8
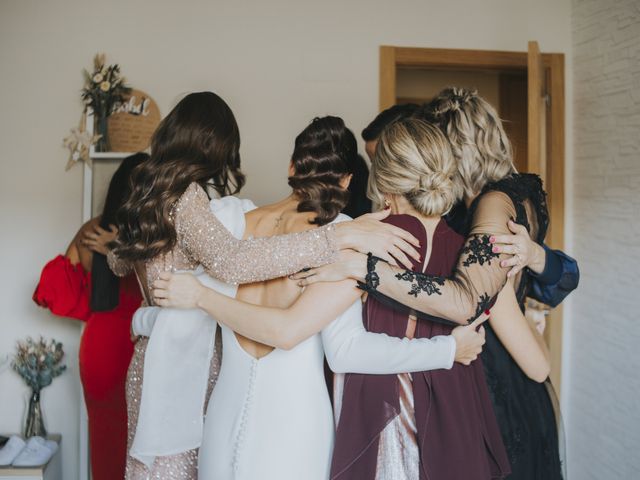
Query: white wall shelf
x=87, y=190
x=108, y=155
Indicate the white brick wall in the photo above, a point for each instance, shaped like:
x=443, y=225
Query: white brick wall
x=604, y=333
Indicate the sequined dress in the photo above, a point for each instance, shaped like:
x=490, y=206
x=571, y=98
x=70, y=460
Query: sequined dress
x=203, y=241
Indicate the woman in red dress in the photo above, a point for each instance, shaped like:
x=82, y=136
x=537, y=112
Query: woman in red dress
x=80, y=285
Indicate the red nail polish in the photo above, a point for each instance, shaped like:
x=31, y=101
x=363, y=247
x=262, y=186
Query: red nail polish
x=487, y=312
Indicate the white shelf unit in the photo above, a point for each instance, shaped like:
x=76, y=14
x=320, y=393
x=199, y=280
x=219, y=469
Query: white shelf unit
x=87, y=191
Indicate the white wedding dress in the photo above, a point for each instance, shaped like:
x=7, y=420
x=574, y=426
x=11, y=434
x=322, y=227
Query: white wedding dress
x=271, y=418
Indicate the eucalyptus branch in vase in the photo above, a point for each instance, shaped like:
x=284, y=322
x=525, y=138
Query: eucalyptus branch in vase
x=38, y=363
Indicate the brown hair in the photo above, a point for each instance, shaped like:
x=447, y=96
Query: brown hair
x=198, y=141
x=325, y=152
x=413, y=159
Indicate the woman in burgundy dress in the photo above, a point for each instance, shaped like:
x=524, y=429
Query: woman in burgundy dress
x=80, y=285
x=435, y=424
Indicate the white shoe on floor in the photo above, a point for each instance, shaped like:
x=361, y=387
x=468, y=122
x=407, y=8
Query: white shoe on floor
x=38, y=451
x=11, y=449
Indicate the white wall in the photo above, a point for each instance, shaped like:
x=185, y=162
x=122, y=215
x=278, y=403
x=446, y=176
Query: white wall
x=277, y=63
x=604, y=387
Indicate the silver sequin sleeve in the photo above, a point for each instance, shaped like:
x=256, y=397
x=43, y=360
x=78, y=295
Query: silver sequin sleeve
x=203, y=237
x=119, y=267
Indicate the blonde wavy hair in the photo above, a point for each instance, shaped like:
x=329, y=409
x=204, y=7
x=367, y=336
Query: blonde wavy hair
x=478, y=140
x=413, y=159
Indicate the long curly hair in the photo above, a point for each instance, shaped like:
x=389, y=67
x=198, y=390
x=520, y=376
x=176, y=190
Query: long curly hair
x=477, y=137
x=325, y=152
x=199, y=141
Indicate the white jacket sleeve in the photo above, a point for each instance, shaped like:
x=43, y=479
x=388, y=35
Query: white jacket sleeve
x=350, y=348
x=144, y=319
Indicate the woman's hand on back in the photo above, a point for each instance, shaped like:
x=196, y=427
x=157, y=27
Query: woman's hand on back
x=98, y=239
x=526, y=252
x=177, y=290
x=350, y=264
x=368, y=234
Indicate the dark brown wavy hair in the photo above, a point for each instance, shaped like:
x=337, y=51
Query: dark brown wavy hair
x=198, y=141
x=324, y=153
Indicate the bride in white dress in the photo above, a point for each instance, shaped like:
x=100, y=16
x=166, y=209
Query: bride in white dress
x=270, y=415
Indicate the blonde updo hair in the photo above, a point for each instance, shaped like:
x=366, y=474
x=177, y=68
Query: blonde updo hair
x=413, y=159
x=478, y=140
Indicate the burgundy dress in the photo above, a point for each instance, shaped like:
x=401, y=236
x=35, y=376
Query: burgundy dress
x=429, y=425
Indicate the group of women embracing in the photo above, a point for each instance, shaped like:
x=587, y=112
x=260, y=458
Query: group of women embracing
x=244, y=303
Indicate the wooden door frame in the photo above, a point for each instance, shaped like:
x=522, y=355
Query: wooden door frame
x=392, y=58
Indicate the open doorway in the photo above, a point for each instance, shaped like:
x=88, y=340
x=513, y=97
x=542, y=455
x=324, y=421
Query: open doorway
x=505, y=91
x=527, y=89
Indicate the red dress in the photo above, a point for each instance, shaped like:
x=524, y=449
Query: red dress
x=105, y=353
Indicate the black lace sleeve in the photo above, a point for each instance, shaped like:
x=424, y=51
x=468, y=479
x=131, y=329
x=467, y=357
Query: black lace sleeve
x=475, y=283
x=478, y=277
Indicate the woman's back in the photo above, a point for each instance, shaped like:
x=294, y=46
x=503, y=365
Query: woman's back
x=268, y=221
x=269, y=415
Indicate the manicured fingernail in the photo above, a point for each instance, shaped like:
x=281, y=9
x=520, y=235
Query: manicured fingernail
x=492, y=239
x=503, y=264
x=495, y=249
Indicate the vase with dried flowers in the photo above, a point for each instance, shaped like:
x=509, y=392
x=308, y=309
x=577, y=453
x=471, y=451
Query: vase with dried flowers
x=38, y=363
x=104, y=90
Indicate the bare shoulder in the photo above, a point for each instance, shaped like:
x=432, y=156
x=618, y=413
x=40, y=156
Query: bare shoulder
x=271, y=220
x=256, y=220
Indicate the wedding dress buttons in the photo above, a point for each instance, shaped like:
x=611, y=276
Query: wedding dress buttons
x=244, y=418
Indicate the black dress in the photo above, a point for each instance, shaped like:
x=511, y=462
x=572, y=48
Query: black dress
x=526, y=410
